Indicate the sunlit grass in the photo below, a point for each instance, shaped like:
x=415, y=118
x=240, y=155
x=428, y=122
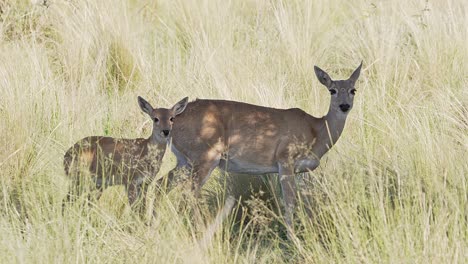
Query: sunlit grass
x=393, y=190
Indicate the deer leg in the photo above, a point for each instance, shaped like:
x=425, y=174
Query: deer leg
x=96, y=190
x=304, y=166
x=134, y=189
x=182, y=168
x=95, y=194
x=213, y=227
x=169, y=181
x=201, y=173
x=288, y=188
x=73, y=192
x=77, y=188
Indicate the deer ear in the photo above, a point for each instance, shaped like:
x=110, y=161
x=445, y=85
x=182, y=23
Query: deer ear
x=322, y=76
x=353, y=78
x=180, y=106
x=145, y=106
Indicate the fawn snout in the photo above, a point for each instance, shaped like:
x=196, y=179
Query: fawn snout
x=165, y=132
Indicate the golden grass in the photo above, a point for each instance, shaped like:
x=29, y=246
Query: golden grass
x=393, y=190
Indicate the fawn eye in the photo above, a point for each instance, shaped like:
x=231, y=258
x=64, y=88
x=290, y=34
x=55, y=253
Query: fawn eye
x=172, y=119
x=353, y=91
x=156, y=119
x=332, y=91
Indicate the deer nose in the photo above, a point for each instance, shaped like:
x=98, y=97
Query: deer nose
x=165, y=132
x=344, y=107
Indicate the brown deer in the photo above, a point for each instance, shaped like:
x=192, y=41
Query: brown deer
x=251, y=139
x=131, y=162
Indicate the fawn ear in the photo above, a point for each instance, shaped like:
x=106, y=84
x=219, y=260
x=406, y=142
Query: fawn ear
x=180, y=106
x=322, y=76
x=353, y=78
x=145, y=106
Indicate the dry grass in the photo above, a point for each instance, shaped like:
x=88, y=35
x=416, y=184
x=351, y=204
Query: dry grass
x=393, y=190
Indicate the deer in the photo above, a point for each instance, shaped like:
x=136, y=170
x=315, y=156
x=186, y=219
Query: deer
x=134, y=163
x=250, y=139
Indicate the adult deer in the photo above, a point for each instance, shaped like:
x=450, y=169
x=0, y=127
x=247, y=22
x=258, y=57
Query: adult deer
x=250, y=139
x=132, y=162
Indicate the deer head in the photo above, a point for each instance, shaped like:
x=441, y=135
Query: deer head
x=163, y=118
x=342, y=91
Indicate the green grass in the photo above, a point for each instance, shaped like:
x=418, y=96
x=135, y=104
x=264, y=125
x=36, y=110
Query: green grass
x=393, y=190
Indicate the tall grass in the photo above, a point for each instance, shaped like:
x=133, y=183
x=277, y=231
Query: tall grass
x=393, y=190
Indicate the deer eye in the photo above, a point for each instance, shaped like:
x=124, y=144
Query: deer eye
x=156, y=119
x=172, y=119
x=332, y=91
x=353, y=91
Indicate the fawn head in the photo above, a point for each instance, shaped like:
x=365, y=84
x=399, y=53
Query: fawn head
x=163, y=118
x=342, y=91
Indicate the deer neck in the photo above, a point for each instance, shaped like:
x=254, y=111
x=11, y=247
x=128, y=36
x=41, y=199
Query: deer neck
x=154, y=147
x=153, y=151
x=154, y=143
x=331, y=127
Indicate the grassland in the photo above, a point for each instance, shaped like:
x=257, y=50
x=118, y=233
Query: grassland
x=393, y=190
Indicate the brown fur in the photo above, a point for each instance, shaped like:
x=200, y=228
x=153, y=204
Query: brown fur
x=133, y=163
x=245, y=138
